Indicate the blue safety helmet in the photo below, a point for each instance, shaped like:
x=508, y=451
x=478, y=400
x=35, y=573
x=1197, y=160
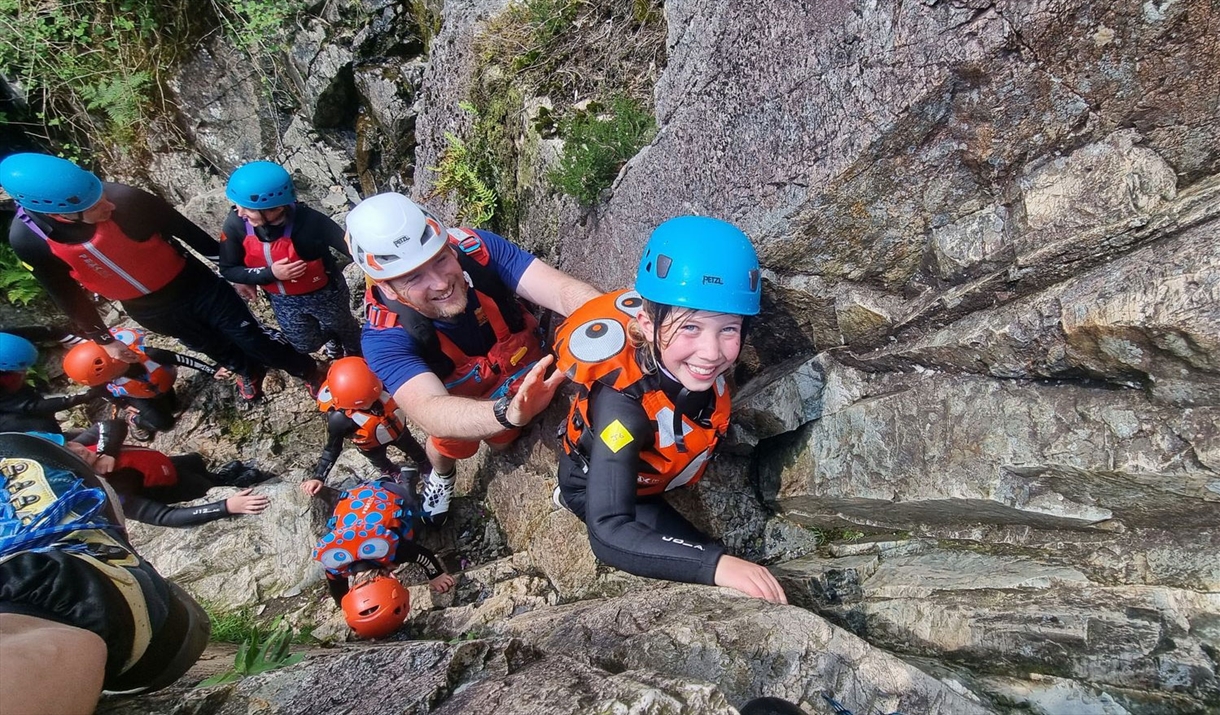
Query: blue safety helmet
x=701, y=263
x=261, y=185
x=48, y=184
x=16, y=353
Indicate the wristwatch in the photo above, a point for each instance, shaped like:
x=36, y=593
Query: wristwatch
x=500, y=408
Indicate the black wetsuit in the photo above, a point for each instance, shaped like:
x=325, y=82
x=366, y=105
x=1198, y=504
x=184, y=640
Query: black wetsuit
x=28, y=410
x=339, y=427
x=640, y=535
x=196, y=306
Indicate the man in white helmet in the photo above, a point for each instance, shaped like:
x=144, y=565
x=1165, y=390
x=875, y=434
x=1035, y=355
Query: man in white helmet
x=447, y=334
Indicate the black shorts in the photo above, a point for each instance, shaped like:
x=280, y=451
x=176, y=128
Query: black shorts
x=76, y=591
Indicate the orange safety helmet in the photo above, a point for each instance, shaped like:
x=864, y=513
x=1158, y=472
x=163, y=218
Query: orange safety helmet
x=377, y=608
x=353, y=386
x=89, y=364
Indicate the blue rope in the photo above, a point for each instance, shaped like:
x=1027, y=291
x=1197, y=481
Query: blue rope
x=840, y=710
x=74, y=510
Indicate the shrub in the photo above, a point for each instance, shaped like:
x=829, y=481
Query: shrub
x=597, y=144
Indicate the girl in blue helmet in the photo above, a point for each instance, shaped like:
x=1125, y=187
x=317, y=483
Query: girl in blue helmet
x=273, y=241
x=653, y=403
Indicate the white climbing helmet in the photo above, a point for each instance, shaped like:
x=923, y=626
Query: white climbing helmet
x=390, y=235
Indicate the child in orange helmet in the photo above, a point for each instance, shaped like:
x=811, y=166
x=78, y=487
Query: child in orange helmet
x=370, y=533
x=357, y=407
x=145, y=387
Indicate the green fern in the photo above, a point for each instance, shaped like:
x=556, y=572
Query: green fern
x=18, y=284
x=456, y=174
x=260, y=653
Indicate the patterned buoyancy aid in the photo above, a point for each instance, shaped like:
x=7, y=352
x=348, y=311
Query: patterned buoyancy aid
x=113, y=265
x=156, y=469
x=261, y=254
x=367, y=524
x=517, y=347
x=593, y=346
x=374, y=428
x=157, y=379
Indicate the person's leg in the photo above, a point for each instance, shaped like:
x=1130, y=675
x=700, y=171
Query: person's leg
x=227, y=314
x=337, y=318
x=438, y=484
x=298, y=321
x=155, y=413
x=48, y=667
x=183, y=322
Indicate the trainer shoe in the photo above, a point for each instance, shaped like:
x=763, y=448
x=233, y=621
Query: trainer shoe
x=250, y=387
x=438, y=492
x=137, y=431
x=332, y=350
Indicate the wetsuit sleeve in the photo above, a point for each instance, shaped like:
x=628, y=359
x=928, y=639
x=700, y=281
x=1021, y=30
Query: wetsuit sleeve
x=141, y=214
x=333, y=234
x=31, y=402
x=54, y=276
x=233, y=255
x=507, y=259
x=108, y=435
x=338, y=427
x=617, y=538
x=410, y=552
x=146, y=510
x=169, y=357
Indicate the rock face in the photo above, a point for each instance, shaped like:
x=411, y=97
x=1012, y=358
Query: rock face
x=990, y=234
x=675, y=649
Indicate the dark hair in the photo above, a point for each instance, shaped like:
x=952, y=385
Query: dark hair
x=770, y=706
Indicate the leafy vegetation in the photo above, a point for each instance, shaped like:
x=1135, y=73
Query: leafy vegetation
x=260, y=652
x=233, y=626
x=93, y=71
x=18, y=284
x=456, y=174
x=597, y=144
x=543, y=66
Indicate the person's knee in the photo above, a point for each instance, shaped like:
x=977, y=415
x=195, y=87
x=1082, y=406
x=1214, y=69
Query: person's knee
x=48, y=649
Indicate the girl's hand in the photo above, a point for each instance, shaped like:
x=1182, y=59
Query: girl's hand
x=311, y=486
x=244, y=502
x=441, y=584
x=749, y=578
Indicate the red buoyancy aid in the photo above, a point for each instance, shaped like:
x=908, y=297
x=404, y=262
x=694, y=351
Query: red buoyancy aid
x=158, y=379
x=372, y=430
x=593, y=345
x=367, y=523
x=261, y=254
x=508, y=360
x=155, y=468
x=114, y=266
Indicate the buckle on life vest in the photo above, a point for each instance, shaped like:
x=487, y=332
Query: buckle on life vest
x=516, y=358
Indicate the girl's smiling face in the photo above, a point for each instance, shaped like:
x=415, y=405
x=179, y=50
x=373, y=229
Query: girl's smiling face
x=696, y=347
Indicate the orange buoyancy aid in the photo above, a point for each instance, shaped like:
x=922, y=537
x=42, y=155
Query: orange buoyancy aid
x=515, y=351
x=261, y=254
x=155, y=468
x=593, y=345
x=113, y=265
x=372, y=430
x=158, y=379
x=367, y=524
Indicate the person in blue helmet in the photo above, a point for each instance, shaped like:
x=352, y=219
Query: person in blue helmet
x=272, y=240
x=653, y=402
x=81, y=236
x=80, y=610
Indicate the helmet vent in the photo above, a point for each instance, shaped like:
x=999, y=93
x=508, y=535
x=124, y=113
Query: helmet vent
x=754, y=280
x=664, y=263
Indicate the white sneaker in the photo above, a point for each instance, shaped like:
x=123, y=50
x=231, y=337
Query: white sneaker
x=438, y=492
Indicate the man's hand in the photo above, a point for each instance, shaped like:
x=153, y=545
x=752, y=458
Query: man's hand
x=441, y=584
x=118, y=350
x=285, y=270
x=311, y=487
x=246, y=291
x=244, y=502
x=535, y=393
